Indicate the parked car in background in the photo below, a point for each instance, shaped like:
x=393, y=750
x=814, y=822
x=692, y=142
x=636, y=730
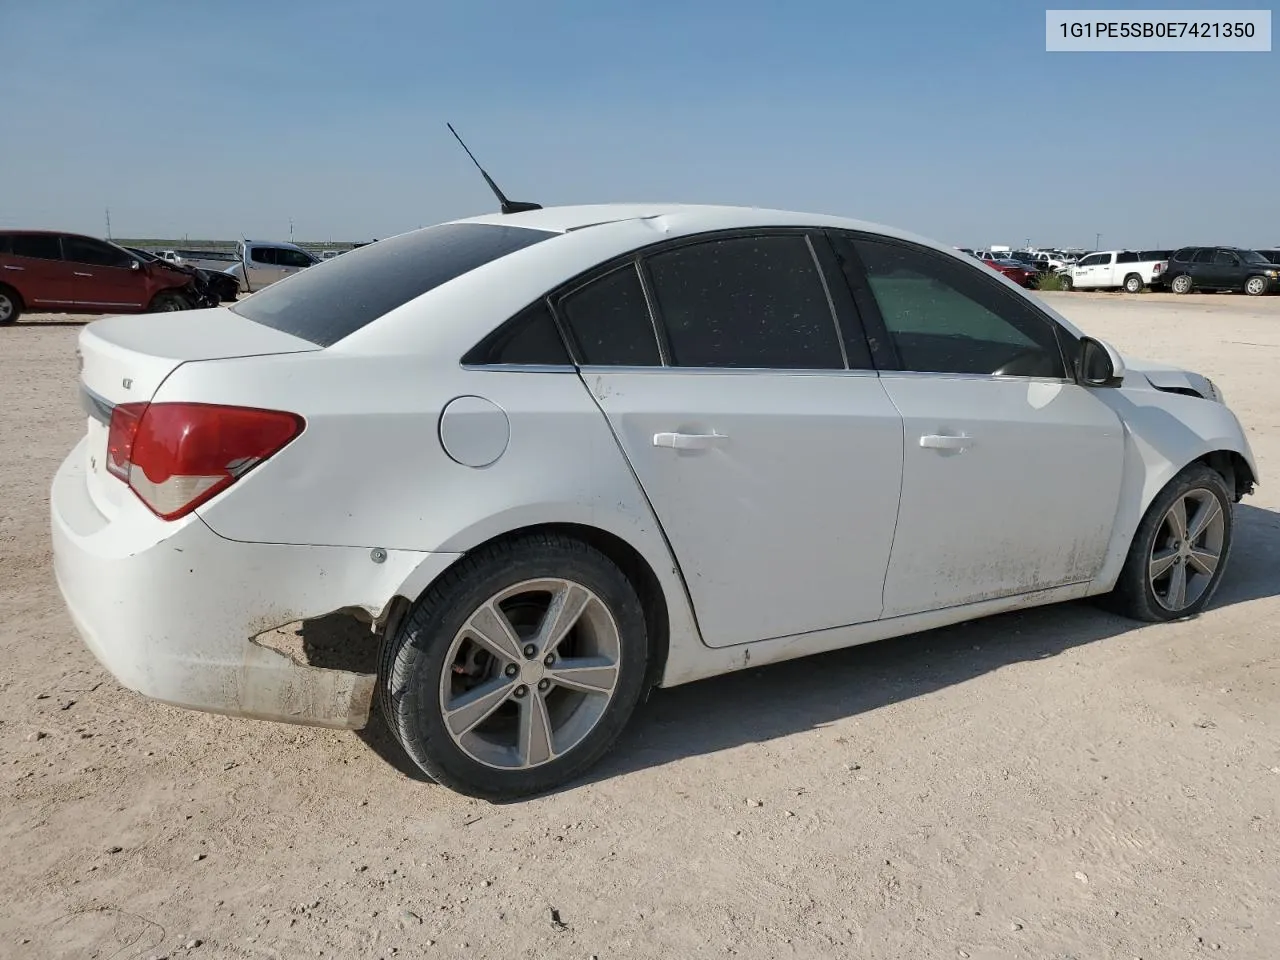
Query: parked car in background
x=1221, y=268
x=1051, y=262
x=215, y=286
x=1114, y=270
x=1272, y=255
x=1020, y=273
x=523, y=447
x=260, y=263
x=329, y=254
x=72, y=273
x=168, y=256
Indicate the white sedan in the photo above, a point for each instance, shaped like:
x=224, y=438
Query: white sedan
x=557, y=457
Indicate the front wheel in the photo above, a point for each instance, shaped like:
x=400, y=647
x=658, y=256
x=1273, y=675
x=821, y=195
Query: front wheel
x=1133, y=283
x=518, y=669
x=1181, y=284
x=167, y=302
x=1255, y=286
x=1067, y=282
x=1180, y=550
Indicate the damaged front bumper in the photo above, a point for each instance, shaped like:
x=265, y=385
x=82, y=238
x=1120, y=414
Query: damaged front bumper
x=178, y=613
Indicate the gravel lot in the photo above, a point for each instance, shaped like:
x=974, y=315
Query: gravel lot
x=1049, y=784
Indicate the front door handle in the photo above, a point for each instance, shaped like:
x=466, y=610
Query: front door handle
x=79, y=274
x=9, y=267
x=687, y=441
x=933, y=441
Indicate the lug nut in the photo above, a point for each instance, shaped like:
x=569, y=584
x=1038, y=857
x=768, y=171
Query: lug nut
x=512, y=670
x=521, y=690
x=530, y=650
x=544, y=683
x=550, y=659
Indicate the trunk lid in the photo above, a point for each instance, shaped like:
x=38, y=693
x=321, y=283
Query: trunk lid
x=125, y=360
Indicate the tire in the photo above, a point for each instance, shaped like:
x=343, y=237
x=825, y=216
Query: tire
x=10, y=306
x=1133, y=283
x=1068, y=284
x=434, y=660
x=1181, y=284
x=1255, y=286
x=168, y=301
x=1152, y=599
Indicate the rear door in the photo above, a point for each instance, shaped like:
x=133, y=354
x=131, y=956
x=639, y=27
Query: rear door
x=763, y=440
x=105, y=277
x=1011, y=471
x=36, y=270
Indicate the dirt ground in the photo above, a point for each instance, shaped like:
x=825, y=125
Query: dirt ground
x=1057, y=783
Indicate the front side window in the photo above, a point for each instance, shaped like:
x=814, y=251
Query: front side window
x=293, y=258
x=610, y=321
x=94, y=253
x=1092, y=260
x=749, y=302
x=263, y=255
x=945, y=317
x=1226, y=258
x=38, y=246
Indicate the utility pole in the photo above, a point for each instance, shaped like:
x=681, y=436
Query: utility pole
x=291, y=229
x=108, y=223
x=1097, y=241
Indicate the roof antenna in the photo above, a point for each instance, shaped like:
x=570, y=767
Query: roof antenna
x=507, y=206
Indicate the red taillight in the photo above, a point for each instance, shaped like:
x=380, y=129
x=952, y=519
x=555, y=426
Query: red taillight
x=175, y=456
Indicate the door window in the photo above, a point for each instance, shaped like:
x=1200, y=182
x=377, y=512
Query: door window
x=1091, y=261
x=1204, y=256
x=530, y=337
x=264, y=255
x=610, y=321
x=946, y=317
x=94, y=253
x=754, y=302
x=292, y=258
x=1129, y=256
x=1226, y=258
x=38, y=246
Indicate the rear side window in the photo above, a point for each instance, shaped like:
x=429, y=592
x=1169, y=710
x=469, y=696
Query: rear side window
x=1205, y=255
x=355, y=289
x=746, y=302
x=1128, y=256
x=40, y=246
x=528, y=338
x=611, y=323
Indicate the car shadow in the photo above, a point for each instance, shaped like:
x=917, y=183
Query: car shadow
x=775, y=701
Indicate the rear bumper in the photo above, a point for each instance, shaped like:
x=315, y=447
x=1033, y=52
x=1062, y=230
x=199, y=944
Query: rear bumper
x=172, y=609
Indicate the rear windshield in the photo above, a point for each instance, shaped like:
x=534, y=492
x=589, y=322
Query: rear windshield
x=329, y=301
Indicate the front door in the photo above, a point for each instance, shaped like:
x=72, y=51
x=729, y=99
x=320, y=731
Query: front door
x=261, y=267
x=104, y=275
x=1011, y=471
x=772, y=467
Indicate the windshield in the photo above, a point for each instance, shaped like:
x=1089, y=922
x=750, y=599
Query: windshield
x=334, y=300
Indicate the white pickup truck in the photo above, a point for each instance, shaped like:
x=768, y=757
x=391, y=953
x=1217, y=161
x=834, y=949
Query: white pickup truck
x=1114, y=269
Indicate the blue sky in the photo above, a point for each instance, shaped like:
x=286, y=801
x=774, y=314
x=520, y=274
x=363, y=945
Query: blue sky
x=947, y=118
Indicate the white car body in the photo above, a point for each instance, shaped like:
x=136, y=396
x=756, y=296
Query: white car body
x=781, y=513
x=1116, y=269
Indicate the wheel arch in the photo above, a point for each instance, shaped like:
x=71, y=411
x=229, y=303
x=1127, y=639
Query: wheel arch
x=658, y=612
x=16, y=294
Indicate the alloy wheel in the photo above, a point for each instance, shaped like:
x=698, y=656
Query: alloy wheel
x=530, y=674
x=1187, y=550
x=6, y=307
x=1255, y=286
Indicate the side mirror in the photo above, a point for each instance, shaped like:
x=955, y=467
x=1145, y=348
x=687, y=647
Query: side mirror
x=1099, y=364
x=135, y=265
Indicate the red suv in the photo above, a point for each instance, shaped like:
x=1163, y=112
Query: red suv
x=69, y=273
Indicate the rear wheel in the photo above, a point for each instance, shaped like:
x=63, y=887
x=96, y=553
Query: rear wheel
x=1180, y=550
x=1133, y=283
x=518, y=669
x=169, y=301
x=10, y=306
x=1255, y=286
x=1181, y=284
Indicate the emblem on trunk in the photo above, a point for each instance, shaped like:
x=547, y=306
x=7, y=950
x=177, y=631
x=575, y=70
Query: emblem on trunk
x=127, y=383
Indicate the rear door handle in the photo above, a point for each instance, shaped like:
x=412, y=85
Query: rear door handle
x=79, y=274
x=19, y=269
x=933, y=441
x=687, y=441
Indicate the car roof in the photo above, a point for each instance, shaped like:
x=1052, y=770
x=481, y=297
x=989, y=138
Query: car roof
x=693, y=218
